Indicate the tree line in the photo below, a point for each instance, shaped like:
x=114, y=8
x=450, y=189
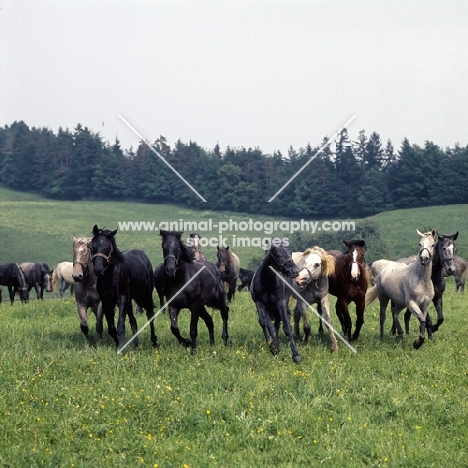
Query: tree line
x=346, y=180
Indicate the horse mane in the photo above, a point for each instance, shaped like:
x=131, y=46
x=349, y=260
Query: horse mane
x=328, y=262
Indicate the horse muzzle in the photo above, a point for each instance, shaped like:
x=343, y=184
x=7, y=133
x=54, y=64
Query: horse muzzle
x=77, y=277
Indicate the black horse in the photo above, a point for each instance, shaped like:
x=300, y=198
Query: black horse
x=192, y=285
x=122, y=276
x=271, y=295
x=12, y=277
x=37, y=276
x=246, y=278
x=160, y=283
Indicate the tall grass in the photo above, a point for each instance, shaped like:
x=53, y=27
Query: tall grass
x=67, y=403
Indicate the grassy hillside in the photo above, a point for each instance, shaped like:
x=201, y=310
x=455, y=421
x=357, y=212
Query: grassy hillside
x=35, y=229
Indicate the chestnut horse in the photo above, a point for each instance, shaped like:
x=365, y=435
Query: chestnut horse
x=349, y=284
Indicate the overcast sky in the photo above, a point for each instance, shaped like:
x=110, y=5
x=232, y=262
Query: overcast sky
x=267, y=74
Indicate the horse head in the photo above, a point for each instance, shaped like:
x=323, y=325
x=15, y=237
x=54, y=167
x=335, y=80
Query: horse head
x=81, y=256
x=223, y=258
x=103, y=246
x=281, y=255
x=313, y=264
x=47, y=277
x=426, y=246
x=173, y=251
x=357, y=261
x=446, y=249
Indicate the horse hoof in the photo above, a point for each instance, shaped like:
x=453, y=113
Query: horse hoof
x=418, y=343
x=193, y=352
x=297, y=358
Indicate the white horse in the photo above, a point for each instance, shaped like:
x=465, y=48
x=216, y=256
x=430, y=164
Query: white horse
x=315, y=266
x=62, y=277
x=406, y=286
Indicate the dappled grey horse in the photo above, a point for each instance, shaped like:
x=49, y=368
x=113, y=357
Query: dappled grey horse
x=406, y=286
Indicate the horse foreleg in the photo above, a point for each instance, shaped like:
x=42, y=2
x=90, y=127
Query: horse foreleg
x=174, y=314
x=297, y=314
x=342, y=306
x=437, y=301
x=150, y=317
x=421, y=314
x=360, y=306
x=284, y=314
x=324, y=309
x=269, y=330
x=194, y=330
x=396, y=309
x=108, y=311
x=123, y=306
x=99, y=319
x=11, y=292
x=232, y=289
x=133, y=323
x=82, y=314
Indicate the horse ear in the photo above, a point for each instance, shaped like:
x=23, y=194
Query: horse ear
x=113, y=233
x=420, y=233
x=217, y=247
x=362, y=243
x=227, y=247
x=455, y=236
x=346, y=243
x=162, y=232
x=178, y=234
x=433, y=232
x=74, y=238
x=95, y=230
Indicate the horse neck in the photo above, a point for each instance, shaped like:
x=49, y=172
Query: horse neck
x=422, y=271
x=436, y=263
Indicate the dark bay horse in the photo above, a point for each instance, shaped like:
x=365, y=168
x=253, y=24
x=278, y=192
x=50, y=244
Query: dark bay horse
x=442, y=261
x=271, y=288
x=12, y=277
x=315, y=266
x=37, y=276
x=246, y=278
x=405, y=285
x=229, y=266
x=194, y=247
x=122, y=276
x=461, y=267
x=349, y=284
x=86, y=294
x=192, y=285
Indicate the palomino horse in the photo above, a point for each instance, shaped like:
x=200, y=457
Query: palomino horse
x=86, y=294
x=183, y=292
x=12, y=277
x=315, y=266
x=229, y=266
x=194, y=247
x=349, y=284
x=37, y=276
x=271, y=289
x=122, y=276
x=460, y=273
x=63, y=277
x=443, y=261
x=406, y=286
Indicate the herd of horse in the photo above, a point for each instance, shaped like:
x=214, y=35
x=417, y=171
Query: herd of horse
x=104, y=278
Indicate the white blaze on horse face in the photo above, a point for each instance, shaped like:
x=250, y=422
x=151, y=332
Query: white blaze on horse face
x=355, y=266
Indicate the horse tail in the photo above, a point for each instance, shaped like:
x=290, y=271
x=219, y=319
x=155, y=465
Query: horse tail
x=371, y=295
x=54, y=278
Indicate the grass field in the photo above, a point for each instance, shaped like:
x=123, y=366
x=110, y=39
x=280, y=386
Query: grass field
x=66, y=403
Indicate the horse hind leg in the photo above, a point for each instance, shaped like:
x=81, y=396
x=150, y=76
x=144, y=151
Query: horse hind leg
x=206, y=317
x=360, y=306
x=296, y=357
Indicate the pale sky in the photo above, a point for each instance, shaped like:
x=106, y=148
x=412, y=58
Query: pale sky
x=267, y=74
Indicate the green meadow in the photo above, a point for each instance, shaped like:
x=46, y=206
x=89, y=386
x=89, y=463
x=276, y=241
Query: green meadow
x=67, y=403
